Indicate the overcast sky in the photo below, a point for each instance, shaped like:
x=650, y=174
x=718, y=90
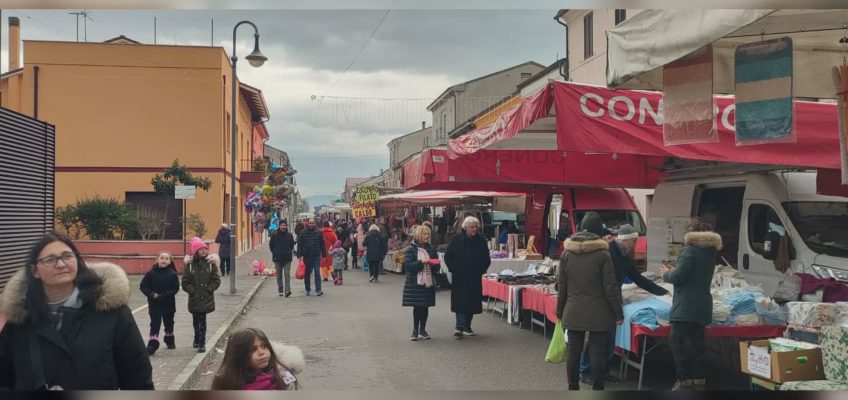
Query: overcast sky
x=412, y=57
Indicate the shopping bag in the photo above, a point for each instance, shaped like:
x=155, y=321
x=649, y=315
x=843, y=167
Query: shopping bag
x=301, y=270
x=556, y=350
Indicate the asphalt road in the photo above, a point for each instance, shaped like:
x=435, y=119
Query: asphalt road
x=357, y=337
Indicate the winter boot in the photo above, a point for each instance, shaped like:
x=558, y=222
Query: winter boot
x=152, y=346
x=169, y=341
x=341, y=281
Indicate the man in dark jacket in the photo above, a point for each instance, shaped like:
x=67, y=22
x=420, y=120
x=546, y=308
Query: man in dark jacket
x=375, y=252
x=310, y=248
x=282, y=246
x=223, y=239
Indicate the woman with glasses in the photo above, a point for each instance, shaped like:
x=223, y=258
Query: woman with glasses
x=68, y=325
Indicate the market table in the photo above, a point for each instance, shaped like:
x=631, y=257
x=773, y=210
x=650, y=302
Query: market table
x=737, y=331
x=389, y=263
x=497, y=266
x=510, y=295
x=541, y=302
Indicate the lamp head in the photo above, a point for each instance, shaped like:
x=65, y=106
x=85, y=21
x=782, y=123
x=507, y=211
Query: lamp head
x=256, y=58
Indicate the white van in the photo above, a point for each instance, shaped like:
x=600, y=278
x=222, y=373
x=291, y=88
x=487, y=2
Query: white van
x=752, y=211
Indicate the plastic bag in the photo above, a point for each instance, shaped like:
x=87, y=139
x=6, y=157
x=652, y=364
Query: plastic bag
x=789, y=288
x=301, y=270
x=556, y=350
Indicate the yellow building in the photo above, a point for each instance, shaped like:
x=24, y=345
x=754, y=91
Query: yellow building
x=124, y=111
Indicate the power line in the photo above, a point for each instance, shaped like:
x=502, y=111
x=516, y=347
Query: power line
x=356, y=57
x=338, y=157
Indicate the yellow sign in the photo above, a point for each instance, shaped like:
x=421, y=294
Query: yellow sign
x=365, y=204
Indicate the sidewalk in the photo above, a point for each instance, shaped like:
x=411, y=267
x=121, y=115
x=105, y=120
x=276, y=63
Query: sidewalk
x=175, y=369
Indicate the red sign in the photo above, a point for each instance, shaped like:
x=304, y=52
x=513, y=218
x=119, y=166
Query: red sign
x=506, y=126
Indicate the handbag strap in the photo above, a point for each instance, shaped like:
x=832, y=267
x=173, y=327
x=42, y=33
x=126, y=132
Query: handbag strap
x=37, y=367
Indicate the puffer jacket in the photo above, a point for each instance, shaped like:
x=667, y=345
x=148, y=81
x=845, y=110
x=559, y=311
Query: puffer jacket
x=200, y=281
x=415, y=295
x=310, y=243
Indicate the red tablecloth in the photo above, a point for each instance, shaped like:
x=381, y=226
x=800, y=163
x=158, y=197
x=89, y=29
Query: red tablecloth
x=740, y=331
x=540, y=302
x=550, y=308
x=498, y=290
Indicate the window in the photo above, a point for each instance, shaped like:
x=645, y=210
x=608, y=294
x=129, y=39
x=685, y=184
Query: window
x=722, y=208
x=762, y=220
x=821, y=225
x=442, y=131
x=525, y=76
x=588, y=45
x=620, y=16
x=228, y=138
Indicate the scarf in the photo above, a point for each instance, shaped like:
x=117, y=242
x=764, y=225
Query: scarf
x=425, y=276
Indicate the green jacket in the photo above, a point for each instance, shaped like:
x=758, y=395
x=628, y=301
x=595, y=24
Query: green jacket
x=692, y=278
x=200, y=281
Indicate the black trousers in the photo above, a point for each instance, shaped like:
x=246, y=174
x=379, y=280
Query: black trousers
x=597, y=346
x=158, y=316
x=375, y=268
x=225, y=266
x=199, y=322
x=688, y=346
x=419, y=318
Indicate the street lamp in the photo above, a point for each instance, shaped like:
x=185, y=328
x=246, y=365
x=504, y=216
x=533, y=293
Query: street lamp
x=255, y=59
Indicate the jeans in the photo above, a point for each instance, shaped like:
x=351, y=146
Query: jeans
x=597, y=345
x=463, y=321
x=283, y=271
x=313, y=267
x=199, y=322
x=585, y=366
x=689, y=361
x=225, y=265
x=419, y=318
x=374, y=268
x=156, y=319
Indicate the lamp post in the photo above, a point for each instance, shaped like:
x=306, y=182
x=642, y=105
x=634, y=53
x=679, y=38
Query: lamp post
x=255, y=59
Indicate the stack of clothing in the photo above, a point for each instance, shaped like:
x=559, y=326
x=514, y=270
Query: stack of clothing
x=816, y=315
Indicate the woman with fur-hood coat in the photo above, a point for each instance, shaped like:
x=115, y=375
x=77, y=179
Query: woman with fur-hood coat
x=589, y=302
x=74, y=320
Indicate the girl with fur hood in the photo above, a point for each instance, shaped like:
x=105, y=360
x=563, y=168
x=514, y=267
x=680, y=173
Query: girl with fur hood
x=200, y=280
x=68, y=325
x=252, y=362
x=160, y=285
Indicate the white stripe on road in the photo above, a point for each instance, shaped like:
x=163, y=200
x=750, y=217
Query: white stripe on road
x=139, y=309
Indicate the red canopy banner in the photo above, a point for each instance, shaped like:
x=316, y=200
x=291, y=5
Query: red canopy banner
x=508, y=124
x=595, y=119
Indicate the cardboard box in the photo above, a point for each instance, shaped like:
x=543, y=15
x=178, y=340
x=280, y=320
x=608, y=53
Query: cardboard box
x=786, y=366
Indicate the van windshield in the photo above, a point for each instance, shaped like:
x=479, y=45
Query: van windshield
x=613, y=219
x=821, y=225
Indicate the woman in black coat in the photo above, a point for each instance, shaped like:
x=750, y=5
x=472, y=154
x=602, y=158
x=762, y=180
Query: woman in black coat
x=73, y=319
x=223, y=239
x=375, y=251
x=467, y=258
x=419, y=292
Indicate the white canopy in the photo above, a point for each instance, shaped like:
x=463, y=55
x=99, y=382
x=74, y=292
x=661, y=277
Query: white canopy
x=638, y=48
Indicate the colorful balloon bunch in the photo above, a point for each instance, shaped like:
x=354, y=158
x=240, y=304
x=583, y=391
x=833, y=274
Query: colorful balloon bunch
x=265, y=202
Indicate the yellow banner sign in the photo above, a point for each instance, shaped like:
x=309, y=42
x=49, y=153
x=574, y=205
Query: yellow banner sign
x=365, y=204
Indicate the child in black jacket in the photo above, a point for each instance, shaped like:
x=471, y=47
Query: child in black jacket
x=161, y=285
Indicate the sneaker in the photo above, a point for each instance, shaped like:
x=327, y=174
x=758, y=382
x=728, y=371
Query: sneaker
x=288, y=293
x=422, y=334
x=699, y=384
x=468, y=332
x=371, y=279
x=587, y=380
x=201, y=349
x=195, y=345
x=458, y=333
x=414, y=336
x=613, y=379
x=682, y=385
x=319, y=294
x=282, y=294
x=308, y=293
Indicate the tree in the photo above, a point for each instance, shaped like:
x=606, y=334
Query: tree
x=166, y=184
x=150, y=222
x=105, y=219
x=196, y=224
x=68, y=218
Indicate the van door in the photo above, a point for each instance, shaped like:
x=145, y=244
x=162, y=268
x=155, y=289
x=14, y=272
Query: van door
x=761, y=224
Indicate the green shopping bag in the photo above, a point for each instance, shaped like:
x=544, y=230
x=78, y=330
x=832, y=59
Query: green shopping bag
x=556, y=351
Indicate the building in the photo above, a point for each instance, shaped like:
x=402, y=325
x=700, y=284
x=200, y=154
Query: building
x=124, y=111
x=403, y=148
x=458, y=104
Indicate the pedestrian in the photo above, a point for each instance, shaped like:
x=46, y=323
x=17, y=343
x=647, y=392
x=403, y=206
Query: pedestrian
x=692, y=305
x=330, y=239
x=68, y=326
x=589, y=301
x=200, y=280
x=467, y=258
x=252, y=362
x=282, y=246
x=374, y=252
x=310, y=249
x=621, y=252
x=503, y=237
x=338, y=256
x=419, y=291
x=346, y=236
x=299, y=227
x=356, y=249
x=223, y=239
x=385, y=235
x=160, y=285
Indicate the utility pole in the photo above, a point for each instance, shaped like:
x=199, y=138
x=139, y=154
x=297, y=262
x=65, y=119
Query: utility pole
x=85, y=18
x=154, y=30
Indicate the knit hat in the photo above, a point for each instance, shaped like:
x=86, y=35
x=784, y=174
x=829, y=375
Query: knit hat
x=626, y=232
x=592, y=223
x=338, y=244
x=197, y=244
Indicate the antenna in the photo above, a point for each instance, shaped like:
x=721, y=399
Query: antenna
x=85, y=18
x=154, y=30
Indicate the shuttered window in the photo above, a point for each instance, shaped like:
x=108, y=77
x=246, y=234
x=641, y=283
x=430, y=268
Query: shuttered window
x=27, y=151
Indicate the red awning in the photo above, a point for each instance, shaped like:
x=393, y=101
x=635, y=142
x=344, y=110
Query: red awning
x=442, y=197
x=428, y=166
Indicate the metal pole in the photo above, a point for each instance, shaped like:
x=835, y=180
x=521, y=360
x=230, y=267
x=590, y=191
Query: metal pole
x=184, y=226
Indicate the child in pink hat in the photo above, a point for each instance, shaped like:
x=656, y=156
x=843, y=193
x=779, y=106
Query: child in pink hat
x=200, y=281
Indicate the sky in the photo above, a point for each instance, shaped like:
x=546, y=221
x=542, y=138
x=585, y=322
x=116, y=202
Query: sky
x=336, y=94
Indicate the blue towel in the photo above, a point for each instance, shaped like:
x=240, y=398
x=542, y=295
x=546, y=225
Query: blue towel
x=643, y=312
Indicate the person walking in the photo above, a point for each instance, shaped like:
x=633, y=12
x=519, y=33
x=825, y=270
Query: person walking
x=200, y=280
x=299, y=227
x=330, y=239
x=357, y=246
x=338, y=255
x=310, y=248
x=419, y=290
x=385, y=236
x=374, y=252
x=223, y=239
x=68, y=325
x=282, y=246
x=252, y=362
x=692, y=304
x=467, y=258
x=346, y=237
x=160, y=285
x=589, y=302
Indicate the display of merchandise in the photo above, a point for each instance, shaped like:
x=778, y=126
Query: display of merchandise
x=814, y=314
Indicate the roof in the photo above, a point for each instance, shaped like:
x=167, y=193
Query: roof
x=469, y=124
x=541, y=74
x=351, y=182
x=459, y=87
x=12, y=73
x=256, y=101
x=401, y=137
x=121, y=40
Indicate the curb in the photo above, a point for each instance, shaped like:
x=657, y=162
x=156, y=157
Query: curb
x=192, y=370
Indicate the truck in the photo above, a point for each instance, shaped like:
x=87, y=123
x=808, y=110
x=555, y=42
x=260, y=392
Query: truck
x=753, y=212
